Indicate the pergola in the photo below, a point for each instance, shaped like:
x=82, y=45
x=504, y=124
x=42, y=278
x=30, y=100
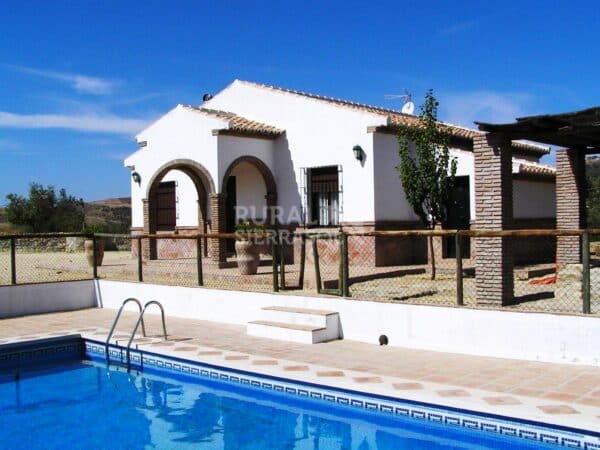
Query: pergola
x=578, y=134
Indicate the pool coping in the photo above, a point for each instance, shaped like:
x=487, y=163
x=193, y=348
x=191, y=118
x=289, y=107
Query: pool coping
x=366, y=399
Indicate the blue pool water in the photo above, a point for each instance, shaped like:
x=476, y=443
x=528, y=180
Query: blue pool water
x=83, y=404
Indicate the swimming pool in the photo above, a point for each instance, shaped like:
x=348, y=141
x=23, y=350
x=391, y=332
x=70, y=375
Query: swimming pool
x=52, y=398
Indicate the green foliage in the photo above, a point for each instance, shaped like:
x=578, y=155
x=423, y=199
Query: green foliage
x=426, y=169
x=248, y=227
x=44, y=211
x=93, y=229
x=593, y=195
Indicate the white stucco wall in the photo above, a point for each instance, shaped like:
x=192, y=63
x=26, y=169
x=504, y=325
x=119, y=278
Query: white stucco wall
x=250, y=192
x=533, y=199
x=317, y=134
x=179, y=134
x=186, y=198
x=390, y=200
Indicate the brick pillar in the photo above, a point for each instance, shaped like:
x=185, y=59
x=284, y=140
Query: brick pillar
x=570, y=203
x=147, y=249
x=217, y=247
x=494, y=280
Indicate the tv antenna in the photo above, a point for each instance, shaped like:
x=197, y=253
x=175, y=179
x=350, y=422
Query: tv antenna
x=408, y=107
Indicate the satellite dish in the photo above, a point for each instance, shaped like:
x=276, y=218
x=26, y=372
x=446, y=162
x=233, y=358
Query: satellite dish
x=408, y=108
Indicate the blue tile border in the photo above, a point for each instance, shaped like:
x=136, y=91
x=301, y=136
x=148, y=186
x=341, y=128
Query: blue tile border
x=420, y=411
x=23, y=354
x=74, y=347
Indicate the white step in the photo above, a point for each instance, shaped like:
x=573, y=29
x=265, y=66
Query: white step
x=299, y=316
x=305, y=334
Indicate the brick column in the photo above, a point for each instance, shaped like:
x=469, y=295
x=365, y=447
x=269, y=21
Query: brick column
x=570, y=203
x=148, y=251
x=494, y=280
x=217, y=247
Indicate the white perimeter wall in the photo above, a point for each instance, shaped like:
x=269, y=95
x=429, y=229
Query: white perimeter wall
x=26, y=299
x=529, y=336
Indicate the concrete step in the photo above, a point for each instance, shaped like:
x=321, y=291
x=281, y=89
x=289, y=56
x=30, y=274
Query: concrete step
x=299, y=316
x=305, y=334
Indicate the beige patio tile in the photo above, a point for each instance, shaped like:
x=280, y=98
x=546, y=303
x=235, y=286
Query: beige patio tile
x=265, y=362
x=453, y=393
x=407, y=386
x=503, y=400
x=558, y=409
x=296, y=368
x=365, y=380
x=330, y=373
x=236, y=357
x=185, y=349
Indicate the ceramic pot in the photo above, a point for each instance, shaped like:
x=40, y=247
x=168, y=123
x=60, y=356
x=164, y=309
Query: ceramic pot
x=247, y=256
x=88, y=246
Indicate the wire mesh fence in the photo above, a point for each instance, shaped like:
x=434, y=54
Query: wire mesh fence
x=594, y=273
x=530, y=270
x=43, y=258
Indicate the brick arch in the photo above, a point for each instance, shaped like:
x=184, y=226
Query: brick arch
x=268, y=178
x=203, y=182
x=196, y=171
x=264, y=170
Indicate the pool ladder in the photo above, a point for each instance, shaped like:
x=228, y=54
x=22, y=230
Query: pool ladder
x=140, y=321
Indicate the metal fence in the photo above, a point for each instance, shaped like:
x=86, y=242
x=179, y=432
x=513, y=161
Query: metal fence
x=410, y=266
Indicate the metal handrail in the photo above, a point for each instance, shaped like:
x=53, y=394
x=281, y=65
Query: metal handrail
x=140, y=320
x=114, y=325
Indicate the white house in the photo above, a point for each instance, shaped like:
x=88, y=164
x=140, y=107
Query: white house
x=252, y=147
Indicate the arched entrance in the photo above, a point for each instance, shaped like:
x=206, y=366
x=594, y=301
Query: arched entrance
x=159, y=205
x=250, y=192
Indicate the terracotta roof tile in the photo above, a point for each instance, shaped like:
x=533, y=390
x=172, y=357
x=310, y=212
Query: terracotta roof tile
x=536, y=170
x=396, y=118
x=239, y=124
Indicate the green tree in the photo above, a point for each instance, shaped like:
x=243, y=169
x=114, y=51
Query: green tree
x=593, y=194
x=44, y=211
x=426, y=169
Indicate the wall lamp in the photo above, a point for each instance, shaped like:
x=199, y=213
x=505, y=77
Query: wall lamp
x=136, y=177
x=359, y=154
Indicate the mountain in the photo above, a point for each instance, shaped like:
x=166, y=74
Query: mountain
x=113, y=215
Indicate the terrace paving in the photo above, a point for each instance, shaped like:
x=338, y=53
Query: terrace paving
x=552, y=393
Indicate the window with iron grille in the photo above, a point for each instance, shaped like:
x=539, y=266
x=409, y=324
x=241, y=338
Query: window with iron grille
x=323, y=196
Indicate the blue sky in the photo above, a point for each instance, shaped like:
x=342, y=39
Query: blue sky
x=79, y=79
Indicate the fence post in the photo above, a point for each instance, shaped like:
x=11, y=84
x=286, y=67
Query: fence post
x=199, y=261
x=274, y=261
x=302, y=261
x=585, y=259
x=343, y=283
x=13, y=261
x=139, y=260
x=316, y=260
x=282, y=260
x=94, y=255
x=459, y=270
